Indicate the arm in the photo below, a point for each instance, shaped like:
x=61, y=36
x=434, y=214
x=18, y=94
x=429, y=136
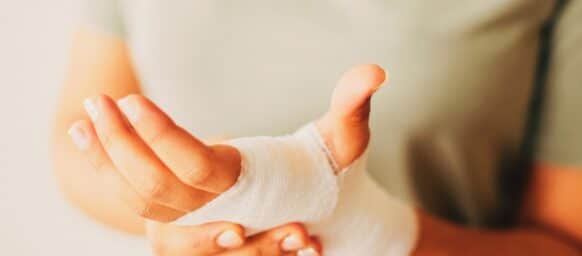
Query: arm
x=550, y=225
x=99, y=64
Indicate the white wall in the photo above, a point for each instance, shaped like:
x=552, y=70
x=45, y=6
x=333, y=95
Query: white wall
x=34, y=220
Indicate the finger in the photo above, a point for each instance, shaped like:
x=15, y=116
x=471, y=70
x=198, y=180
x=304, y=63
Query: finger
x=206, y=239
x=351, y=96
x=212, y=169
x=83, y=134
x=345, y=126
x=313, y=248
x=276, y=242
x=137, y=163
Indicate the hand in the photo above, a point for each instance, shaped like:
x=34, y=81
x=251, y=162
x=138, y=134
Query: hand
x=163, y=172
x=156, y=167
x=226, y=239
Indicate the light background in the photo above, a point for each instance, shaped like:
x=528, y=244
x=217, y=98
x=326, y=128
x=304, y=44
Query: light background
x=34, y=220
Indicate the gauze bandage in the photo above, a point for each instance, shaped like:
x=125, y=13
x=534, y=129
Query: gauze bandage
x=291, y=179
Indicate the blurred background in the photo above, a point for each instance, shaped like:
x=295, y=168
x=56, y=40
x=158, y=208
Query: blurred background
x=34, y=39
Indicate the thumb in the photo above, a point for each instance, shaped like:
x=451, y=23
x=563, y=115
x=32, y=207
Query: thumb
x=345, y=127
x=351, y=96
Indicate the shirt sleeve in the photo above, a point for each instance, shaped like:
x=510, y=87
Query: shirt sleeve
x=104, y=15
x=560, y=138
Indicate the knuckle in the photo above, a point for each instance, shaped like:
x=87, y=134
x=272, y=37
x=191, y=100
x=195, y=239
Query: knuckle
x=198, y=174
x=156, y=190
x=165, y=128
x=112, y=136
x=132, y=200
x=145, y=210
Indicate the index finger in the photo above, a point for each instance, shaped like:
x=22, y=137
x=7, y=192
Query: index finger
x=137, y=163
x=213, y=169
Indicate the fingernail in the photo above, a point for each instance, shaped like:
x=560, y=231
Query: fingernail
x=229, y=239
x=79, y=136
x=307, y=252
x=291, y=243
x=91, y=108
x=128, y=108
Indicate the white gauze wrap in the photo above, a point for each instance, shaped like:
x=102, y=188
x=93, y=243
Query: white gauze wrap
x=291, y=178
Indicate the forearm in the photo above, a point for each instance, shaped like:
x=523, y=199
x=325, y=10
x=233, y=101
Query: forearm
x=439, y=237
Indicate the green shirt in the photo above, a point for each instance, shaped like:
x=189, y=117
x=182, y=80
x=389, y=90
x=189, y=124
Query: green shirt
x=478, y=91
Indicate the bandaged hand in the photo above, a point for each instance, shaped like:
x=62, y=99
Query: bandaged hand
x=318, y=176
x=165, y=173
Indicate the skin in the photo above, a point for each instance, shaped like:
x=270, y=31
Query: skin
x=139, y=155
x=200, y=240
x=100, y=64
